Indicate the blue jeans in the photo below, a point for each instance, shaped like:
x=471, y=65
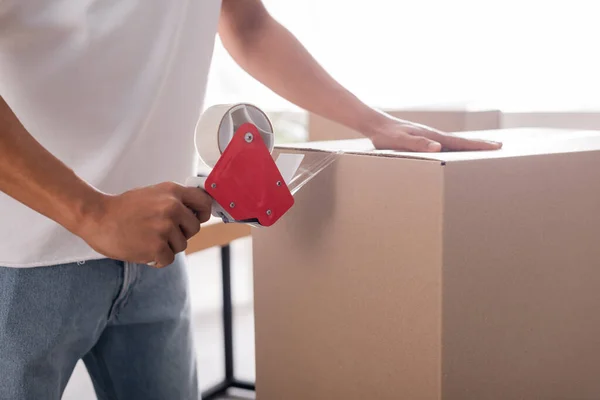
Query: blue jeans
x=129, y=323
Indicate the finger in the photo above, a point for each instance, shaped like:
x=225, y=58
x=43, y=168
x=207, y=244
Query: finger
x=189, y=222
x=203, y=216
x=418, y=144
x=177, y=241
x=453, y=142
x=164, y=256
x=196, y=199
x=424, y=130
x=174, y=188
x=457, y=143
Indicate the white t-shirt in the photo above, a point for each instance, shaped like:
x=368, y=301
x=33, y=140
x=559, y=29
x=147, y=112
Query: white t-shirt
x=113, y=88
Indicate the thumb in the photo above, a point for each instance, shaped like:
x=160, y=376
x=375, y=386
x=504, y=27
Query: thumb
x=196, y=199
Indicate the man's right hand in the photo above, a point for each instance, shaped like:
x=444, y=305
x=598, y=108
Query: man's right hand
x=146, y=225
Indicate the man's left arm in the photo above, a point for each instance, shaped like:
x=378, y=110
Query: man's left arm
x=272, y=55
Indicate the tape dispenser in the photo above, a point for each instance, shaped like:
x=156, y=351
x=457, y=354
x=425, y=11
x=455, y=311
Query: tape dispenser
x=246, y=183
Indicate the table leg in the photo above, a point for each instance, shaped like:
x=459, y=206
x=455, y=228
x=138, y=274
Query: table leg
x=229, y=381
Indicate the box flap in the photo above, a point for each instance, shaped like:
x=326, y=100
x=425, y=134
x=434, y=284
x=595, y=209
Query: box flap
x=517, y=142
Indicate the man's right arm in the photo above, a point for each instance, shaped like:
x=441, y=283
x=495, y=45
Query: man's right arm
x=143, y=225
x=33, y=176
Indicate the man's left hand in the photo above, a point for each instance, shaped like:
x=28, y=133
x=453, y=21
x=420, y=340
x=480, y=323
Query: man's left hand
x=396, y=134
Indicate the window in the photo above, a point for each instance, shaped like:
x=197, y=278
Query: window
x=510, y=54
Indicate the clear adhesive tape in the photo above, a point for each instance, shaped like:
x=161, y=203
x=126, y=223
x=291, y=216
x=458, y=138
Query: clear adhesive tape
x=218, y=123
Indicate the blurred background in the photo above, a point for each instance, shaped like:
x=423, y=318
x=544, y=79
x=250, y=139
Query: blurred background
x=514, y=56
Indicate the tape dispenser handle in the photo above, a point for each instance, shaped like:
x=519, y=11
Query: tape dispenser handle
x=216, y=210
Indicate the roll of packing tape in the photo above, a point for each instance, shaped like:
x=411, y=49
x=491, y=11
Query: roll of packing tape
x=217, y=125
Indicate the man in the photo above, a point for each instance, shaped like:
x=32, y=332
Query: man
x=98, y=105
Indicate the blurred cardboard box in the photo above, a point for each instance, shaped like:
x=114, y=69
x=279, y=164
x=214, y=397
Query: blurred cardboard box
x=447, y=119
x=454, y=276
x=552, y=119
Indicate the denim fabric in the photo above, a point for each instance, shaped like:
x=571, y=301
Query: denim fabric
x=129, y=323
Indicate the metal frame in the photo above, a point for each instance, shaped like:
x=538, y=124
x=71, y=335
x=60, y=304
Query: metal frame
x=230, y=381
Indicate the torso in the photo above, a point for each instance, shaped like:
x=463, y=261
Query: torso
x=113, y=88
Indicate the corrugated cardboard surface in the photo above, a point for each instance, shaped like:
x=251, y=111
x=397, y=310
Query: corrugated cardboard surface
x=320, y=129
x=337, y=305
x=450, y=276
x=522, y=278
x=566, y=120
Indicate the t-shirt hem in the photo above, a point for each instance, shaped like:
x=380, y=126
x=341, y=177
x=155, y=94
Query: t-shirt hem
x=55, y=262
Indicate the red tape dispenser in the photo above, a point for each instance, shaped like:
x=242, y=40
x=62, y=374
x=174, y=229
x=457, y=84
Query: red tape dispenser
x=245, y=182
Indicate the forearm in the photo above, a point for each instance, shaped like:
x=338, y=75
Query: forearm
x=273, y=56
x=33, y=176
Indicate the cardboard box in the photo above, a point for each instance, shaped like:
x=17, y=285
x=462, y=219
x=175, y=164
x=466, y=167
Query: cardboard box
x=445, y=119
x=454, y=276
x=552, y=119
